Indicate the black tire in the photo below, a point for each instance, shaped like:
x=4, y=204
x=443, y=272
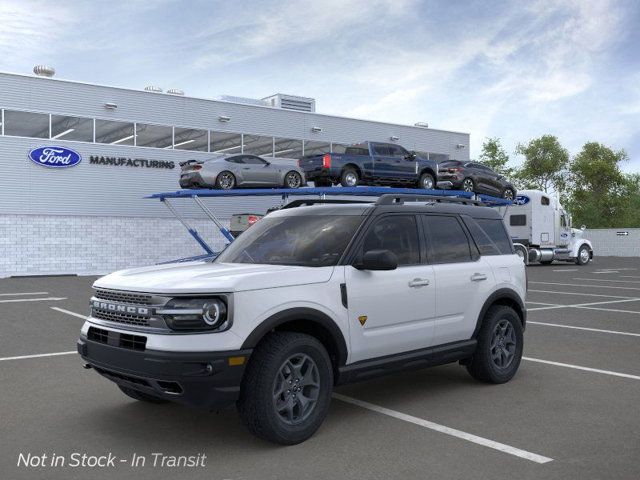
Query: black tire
x=427, y=182
x=141, y=396
x=322, y=182
x=347, y=176
x=482, y=365
x=582, y=258
x=294, y=182
x=258, y=397
x=546, y=262
x=468, y=185
x=509, y=194
x=221, y=180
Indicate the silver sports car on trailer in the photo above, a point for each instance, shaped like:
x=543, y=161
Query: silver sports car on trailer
x=240, y=170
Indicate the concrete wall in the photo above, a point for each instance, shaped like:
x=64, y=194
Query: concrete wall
x=609, y=242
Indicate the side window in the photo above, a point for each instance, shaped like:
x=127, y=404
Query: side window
x=563, y=221
x=447, y=240
x=495, y=240
x=382, y=150
x=396, y=151
x=253, y=160
x=544, y=200
x=235, y=159
x=398, y=234
x=518, y=220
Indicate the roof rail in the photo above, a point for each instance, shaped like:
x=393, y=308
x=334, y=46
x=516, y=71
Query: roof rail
x=390, y=199
x=316, y=201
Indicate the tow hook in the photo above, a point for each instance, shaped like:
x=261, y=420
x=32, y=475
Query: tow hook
x=86, y=366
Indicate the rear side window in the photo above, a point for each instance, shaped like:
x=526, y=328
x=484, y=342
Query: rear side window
x=518, y=220
x=544, y=200
x=398, y=234
x=490, y=236
x=447, y=240
x=357, y=151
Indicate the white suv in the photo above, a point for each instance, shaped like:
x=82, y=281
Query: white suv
x=311, y=297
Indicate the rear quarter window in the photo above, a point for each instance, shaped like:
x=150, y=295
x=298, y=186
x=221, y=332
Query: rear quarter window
x=518, y=220
x=490, y=236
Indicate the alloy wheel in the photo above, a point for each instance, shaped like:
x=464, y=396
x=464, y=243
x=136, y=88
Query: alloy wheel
x=296, y=389
x=467, y=185
x=427, y=182
x=508, y=194
x=503, y=344
x=293, y=180
x=351, y=179
x=226, y=181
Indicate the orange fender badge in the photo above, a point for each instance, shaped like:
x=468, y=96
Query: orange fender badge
x=362, y=319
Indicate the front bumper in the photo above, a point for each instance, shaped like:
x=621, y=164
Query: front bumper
x=198, y=379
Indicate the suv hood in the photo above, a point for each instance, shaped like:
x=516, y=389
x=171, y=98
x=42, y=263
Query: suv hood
x=205, y=277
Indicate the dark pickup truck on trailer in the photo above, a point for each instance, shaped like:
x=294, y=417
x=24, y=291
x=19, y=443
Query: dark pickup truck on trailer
x=372, y=163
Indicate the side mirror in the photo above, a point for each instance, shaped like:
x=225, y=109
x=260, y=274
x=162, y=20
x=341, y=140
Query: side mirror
x=378, y=260
x=410, y=156
x=583, y=227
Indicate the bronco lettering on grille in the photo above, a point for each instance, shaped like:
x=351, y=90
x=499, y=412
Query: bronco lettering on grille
x=114, y=307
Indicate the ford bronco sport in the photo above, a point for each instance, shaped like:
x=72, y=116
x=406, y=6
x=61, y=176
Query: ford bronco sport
x=309, y=298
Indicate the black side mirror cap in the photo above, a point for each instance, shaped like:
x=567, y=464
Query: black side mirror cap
x=378, y=260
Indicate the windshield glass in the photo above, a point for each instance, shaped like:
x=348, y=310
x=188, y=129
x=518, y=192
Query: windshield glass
x=310, y=241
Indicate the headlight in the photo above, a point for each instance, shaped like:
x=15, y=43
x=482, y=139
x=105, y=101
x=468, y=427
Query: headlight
x=196, y=314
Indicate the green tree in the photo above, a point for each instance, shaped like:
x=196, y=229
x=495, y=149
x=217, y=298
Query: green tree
x=495, y=156
x=631, y=216
x=545, y=164
x=600, y=194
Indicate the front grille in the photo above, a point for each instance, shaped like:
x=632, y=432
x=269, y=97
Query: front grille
x=126, y=318
x=133, y=342
x=116, y=339
x=124, y=297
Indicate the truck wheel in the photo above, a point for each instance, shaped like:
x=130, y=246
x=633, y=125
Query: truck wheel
x=468, y=185
x=426, y=181
x=225, y=180
x=286, y=389
x=583, y=255
x=349, y=178
x=499, y=351
x=141, y=396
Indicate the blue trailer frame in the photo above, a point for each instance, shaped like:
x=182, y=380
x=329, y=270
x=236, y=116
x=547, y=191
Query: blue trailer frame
x=197, y=194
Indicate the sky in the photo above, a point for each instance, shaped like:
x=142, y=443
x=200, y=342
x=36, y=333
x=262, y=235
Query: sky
x=514, y=70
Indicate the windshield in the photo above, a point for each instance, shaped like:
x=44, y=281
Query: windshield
x=310, y=241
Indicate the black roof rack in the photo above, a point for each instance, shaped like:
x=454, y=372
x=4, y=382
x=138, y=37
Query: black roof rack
x=316, y=201
x=391, y=199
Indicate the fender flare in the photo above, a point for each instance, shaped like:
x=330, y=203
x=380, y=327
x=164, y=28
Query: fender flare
x=580, y=243
x=300, y=313
x=501, y=294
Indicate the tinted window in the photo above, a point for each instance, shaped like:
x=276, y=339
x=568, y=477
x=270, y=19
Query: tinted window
x=518, y=220
x=397, y=233
x=397, y=151
x=544, y=200
x=312, y=241
x=381, y=150
x=254, y=160
x=447, y=240
x=490, y=236
x=235, y=159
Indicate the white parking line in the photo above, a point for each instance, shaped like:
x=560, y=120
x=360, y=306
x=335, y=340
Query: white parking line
x=590, y=286
x=586, y=305
x=608, y=309
x=536, y=303
x=566, y=270
x=40, y=355
x=22, y=293
x=48, y=299
x=576, y=293
x=485, y=442
x=73, y=314
x=629, y=276
x=579, y=367
x=583, y=328
x=605, y=280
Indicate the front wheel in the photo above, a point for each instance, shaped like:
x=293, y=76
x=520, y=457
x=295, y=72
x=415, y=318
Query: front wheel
x=225, y=180
x=583, y=255
x=293, y=180
x=426, y=182
x=468, y=185
x=286, y=390
x=499, y=350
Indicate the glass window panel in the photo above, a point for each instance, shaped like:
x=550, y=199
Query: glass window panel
x=190, y=139
x=72, y=128
x=228, y=143
x=338, y=147
x=115, y=133
x=26, y=124
x=288, y=148
x=316, y=148
x=257, y=145
x=398, y=234
x=157, y=136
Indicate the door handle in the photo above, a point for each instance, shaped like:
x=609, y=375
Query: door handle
x=418, y=282
x=246, y=168
x=478, y=277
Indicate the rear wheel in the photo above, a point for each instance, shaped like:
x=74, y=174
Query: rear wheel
x=426, y=181
x=293, y=180
x=225, y=180
x=286, y=390
x=141, y=396
x=349, y=178
x=499, y=351
x=468, y=185
x=583, y=255
x=508, y=194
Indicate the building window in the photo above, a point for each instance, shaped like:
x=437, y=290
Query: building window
x=190, y=139
x=26, y=124
x=72, y=128
x=157, y=136
x=258, y=145
x=316, y=148
x=287, y=148
x=226, y=143
x=114, y=133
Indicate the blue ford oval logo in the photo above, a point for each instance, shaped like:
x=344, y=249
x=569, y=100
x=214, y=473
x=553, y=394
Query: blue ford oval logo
x=521, y=200
x=55, y=157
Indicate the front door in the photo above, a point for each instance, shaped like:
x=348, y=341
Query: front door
x=257, y=171
x=391, y=311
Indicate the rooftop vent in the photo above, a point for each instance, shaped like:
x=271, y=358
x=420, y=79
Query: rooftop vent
x=291, y=102
x=175, y=91
x=44, y=71
x=153, y=88
x=422, y=124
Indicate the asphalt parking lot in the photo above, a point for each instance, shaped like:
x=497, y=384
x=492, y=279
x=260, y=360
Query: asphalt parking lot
x=572, y=411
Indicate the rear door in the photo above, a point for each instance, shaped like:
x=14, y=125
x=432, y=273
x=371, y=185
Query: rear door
x=463, y=279
x=391, y=311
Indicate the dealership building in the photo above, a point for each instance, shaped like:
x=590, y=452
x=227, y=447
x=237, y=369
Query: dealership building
x=91, y=217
